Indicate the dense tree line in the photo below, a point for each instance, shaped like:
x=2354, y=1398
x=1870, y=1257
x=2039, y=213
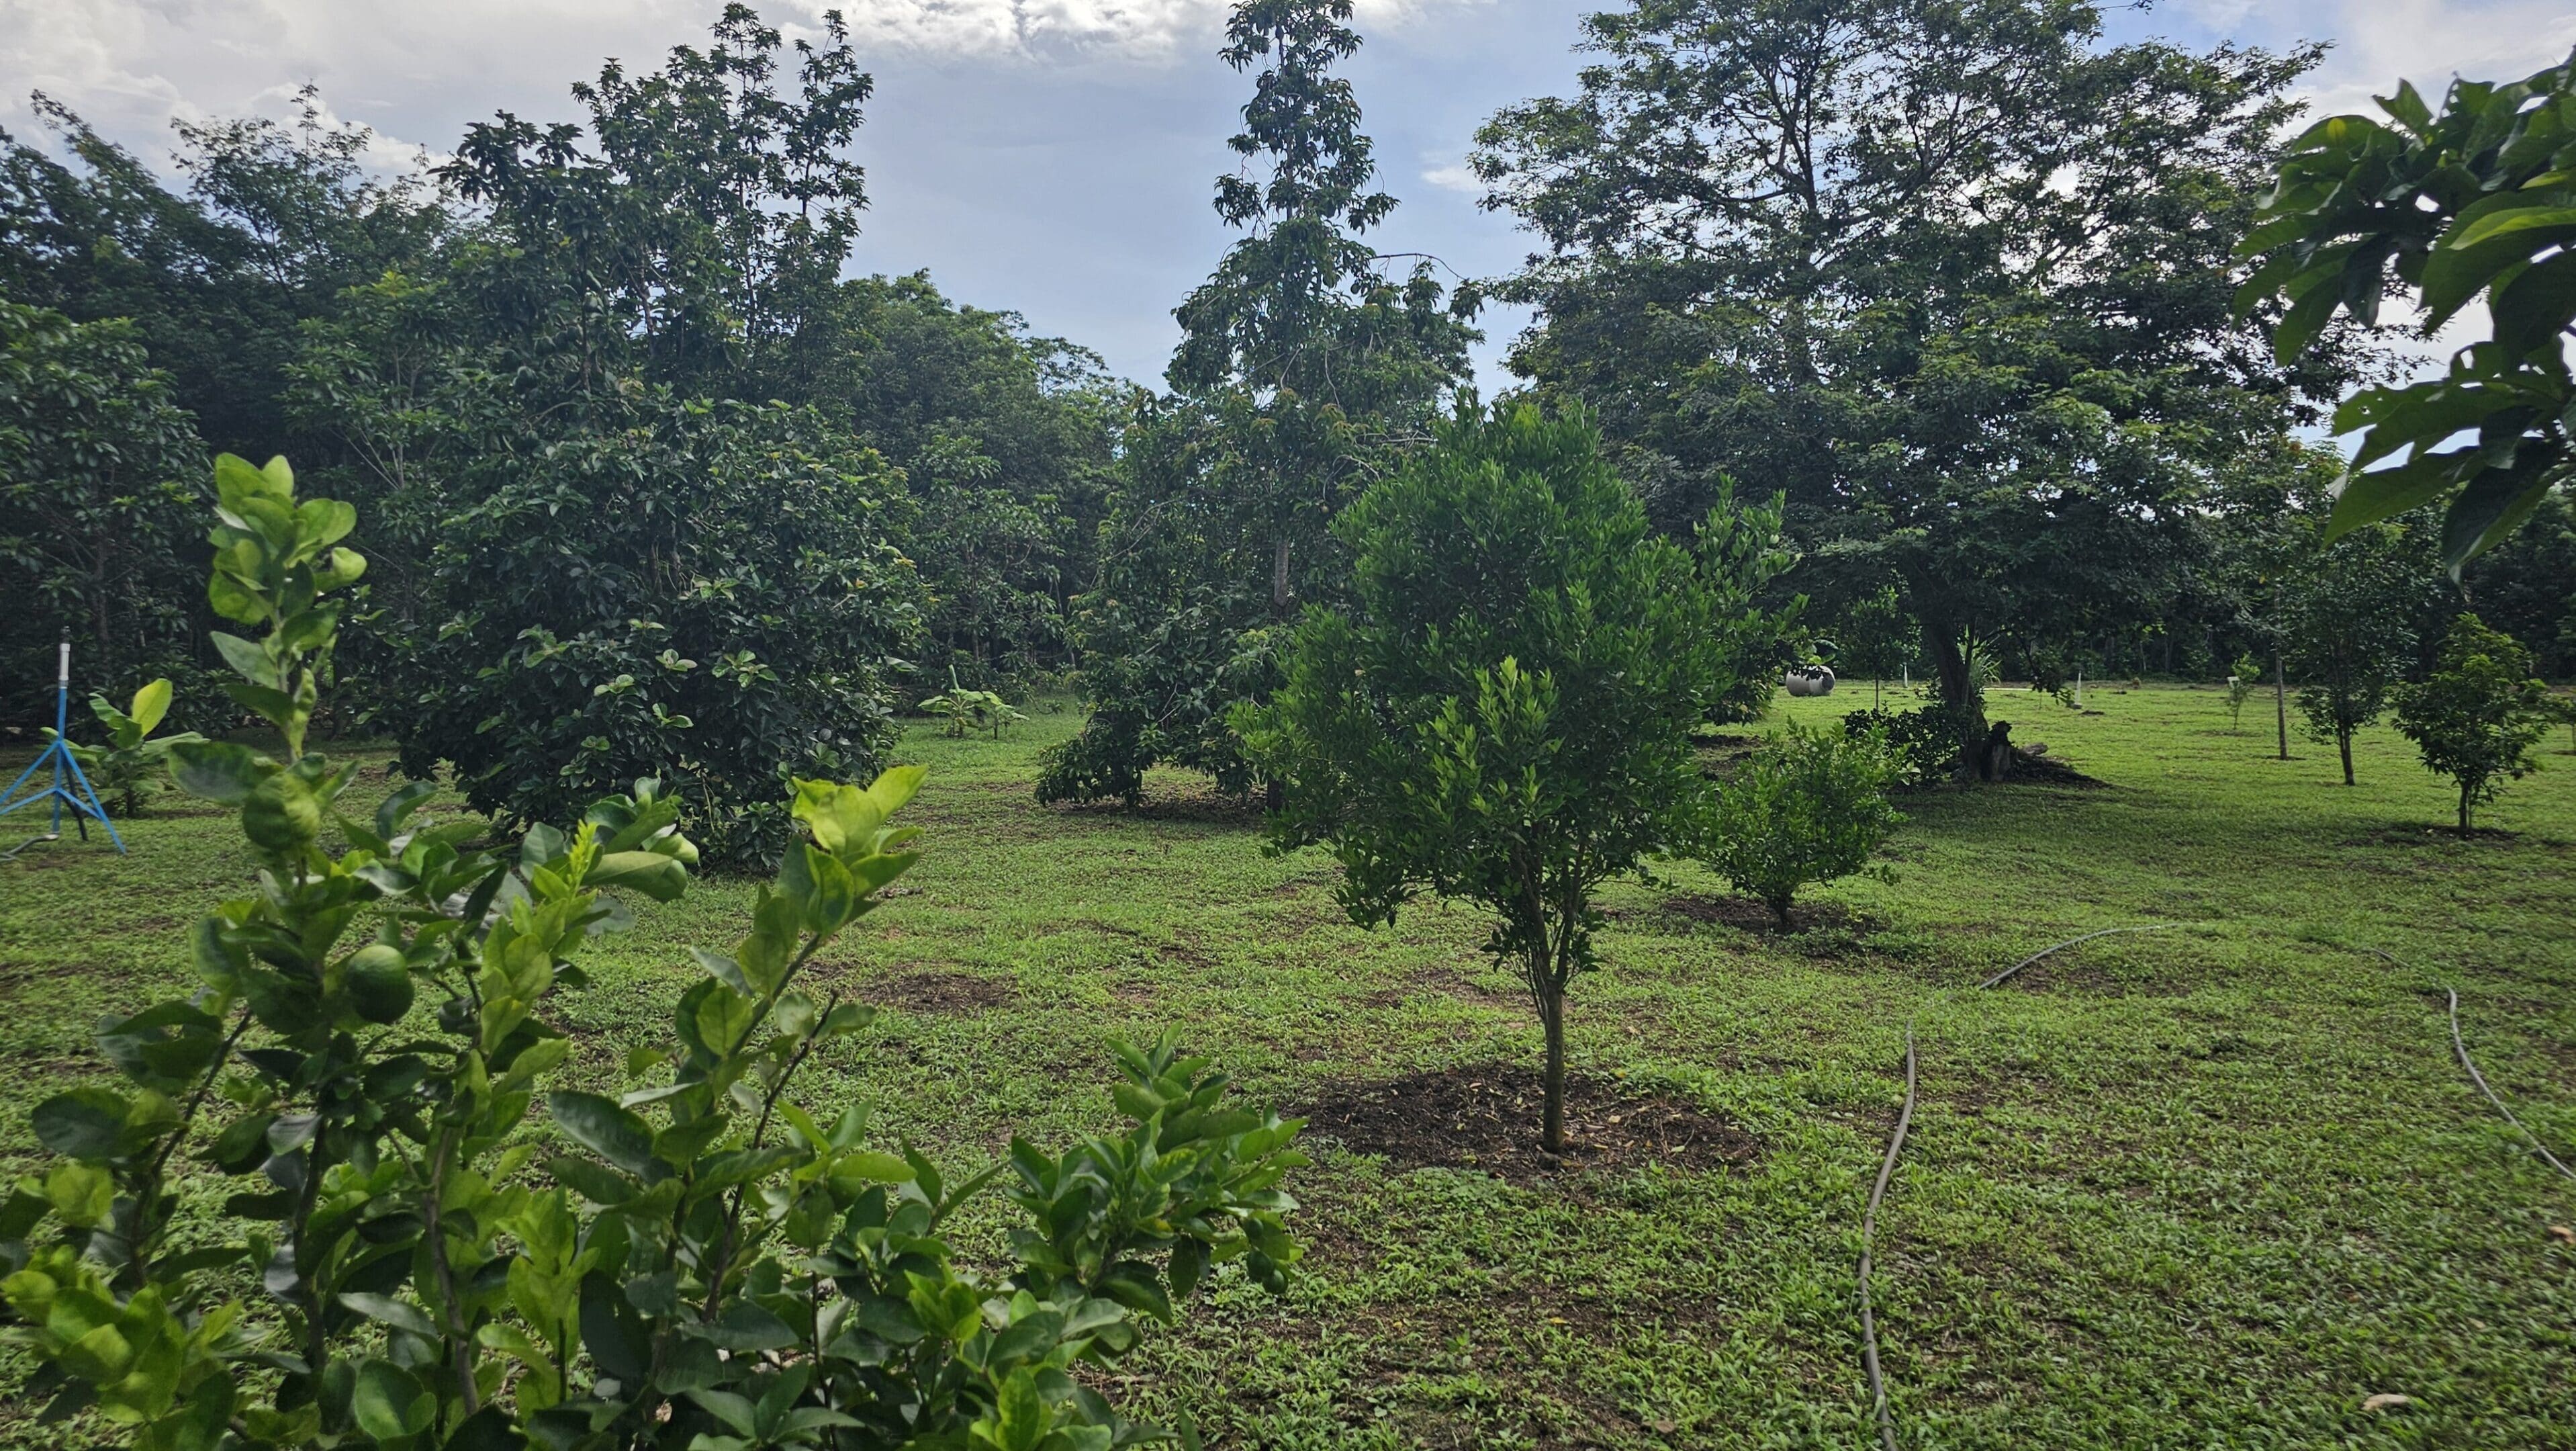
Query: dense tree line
x=2006, y=318
x=656, y=490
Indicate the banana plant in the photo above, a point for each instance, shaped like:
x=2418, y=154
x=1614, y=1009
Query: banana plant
x=128, y=767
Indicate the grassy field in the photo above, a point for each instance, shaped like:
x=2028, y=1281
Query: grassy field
x=2207, y=1187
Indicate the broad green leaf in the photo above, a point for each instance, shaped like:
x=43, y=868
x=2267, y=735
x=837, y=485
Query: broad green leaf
x=389, y=1401
x=85, y=1123
x=400, y=1314
x=219, y=770
x=151, y=703
x=607, y=1130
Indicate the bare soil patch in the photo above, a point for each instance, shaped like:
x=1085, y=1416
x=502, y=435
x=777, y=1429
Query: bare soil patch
x=1486, y=1116
x=1748, y=915
x=940, y=992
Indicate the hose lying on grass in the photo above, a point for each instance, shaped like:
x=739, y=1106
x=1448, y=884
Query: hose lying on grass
x=1887, y=1171
x=1905, y=1122
x=2461, y=1050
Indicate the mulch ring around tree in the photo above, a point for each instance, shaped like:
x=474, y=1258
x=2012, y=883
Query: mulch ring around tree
x=1486, y=1116
x=1749, y=915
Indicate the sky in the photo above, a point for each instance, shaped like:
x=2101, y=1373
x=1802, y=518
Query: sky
x=1051, y=157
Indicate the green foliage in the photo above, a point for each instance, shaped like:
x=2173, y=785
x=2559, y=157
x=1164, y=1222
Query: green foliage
x=128, y=767
x=2243, y=679
x=2480, y=713
x=971, y=710
x=2474, y=203
x=1006, y=442
x=1503, y=713
x=704, y=594
x=1976, y=329
x=1875, y=637
x=1924, y=744
x=2348, y=625
x=96, y=514
x=707, y=1263
x=1302, y=372
x=1808, y=807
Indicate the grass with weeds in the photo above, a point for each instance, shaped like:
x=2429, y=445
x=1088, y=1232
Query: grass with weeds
x=2206, y=1187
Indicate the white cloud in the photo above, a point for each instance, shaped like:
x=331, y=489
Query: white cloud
x=1454, y=176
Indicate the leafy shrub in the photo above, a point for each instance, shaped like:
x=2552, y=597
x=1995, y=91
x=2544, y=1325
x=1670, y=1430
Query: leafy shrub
x=707, y=1265
x=1808, y=807
x=1924, y=743
x=1504, y=714
x=2478, y=717
x=965, y=710
x=128, y=767
x=705, y=595
x=2349, y=629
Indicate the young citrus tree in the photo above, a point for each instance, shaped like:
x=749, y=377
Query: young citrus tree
x=1809, y=807
x=1503, y=713
x=2478, y=717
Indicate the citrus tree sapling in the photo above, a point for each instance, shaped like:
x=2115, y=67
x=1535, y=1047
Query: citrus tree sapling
x=1503, y=713
x=2480, y=714
x=1808, y=807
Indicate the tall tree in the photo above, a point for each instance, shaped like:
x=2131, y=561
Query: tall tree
x=701, y=228
x=1304, y=367
x=218, y=275
x=1956, y=278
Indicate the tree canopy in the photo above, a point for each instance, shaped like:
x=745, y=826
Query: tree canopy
x=1957, y=279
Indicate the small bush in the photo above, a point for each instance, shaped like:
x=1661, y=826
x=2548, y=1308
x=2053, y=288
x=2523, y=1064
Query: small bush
x=1809, y=807
x=2478, y=717
x=1924, y=744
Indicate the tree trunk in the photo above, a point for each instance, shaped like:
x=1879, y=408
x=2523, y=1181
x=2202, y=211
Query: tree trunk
x=1548, y=991
x=2464, y=811
x=2343, y=742
x=1779, y=912
x=1279, y=579
x=1959, y=694
x=2281, y=704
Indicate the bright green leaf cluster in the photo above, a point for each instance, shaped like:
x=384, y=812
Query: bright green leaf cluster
x=2476, y=201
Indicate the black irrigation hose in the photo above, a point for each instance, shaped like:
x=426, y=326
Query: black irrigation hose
x=1887, y=1171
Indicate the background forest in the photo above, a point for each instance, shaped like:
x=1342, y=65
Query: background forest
x=655, y=489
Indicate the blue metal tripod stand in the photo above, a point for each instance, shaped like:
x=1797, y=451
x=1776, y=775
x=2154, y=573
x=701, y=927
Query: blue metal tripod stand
x=57, y=756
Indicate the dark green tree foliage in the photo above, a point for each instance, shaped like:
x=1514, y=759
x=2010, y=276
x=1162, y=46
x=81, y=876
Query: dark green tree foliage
x=98, y=515
x=699, y=238
x=1503, y=712
x=604, y=560
x=2527, y=586
x=273, y=223
x=1007, y=443
x=2477, y=202
x=1303, y=368
x=2349, y=620
x=2480, y=713
x=705, y=595
x=1956, y=278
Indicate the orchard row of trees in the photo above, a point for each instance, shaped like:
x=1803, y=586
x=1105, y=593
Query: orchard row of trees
x=1963, y=339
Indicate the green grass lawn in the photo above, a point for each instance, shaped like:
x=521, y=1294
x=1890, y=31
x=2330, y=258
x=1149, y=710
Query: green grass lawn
x=2200, y=1188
